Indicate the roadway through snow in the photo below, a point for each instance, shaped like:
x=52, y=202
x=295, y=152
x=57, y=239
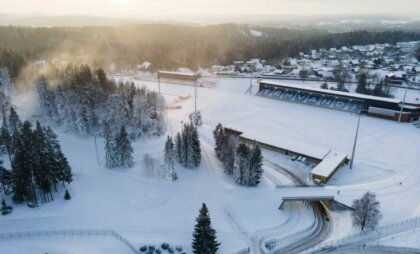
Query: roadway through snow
x=323, y=228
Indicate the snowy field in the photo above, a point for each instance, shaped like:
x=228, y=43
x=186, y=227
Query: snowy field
x=147, y=210
x=64, y=245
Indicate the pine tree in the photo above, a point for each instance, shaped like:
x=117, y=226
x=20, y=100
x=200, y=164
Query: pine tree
x=124, y=150
x=169, y=161
x=242, y=165
x=110, y=157
x=228, y=154
x=255, y=166
x=178, y=147
x=65, y=174
x=43, y=161
x=195, y=147
x=204, y=236
x=6, y=141
x=184, y=146
x=14, y=123
x=218, y=135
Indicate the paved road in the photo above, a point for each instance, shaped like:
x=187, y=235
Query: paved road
x=323, y=228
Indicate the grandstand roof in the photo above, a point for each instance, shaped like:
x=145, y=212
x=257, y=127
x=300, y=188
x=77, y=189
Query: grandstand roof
x=178, y=73
x=329, y=164
x=304, y=149
x=331, y=92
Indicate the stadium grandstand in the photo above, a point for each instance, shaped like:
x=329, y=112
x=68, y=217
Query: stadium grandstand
x=178, y=75
x=386, y=108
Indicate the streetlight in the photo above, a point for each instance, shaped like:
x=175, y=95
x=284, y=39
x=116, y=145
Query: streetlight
x=402, y=106
x=355, y=140
x=96, y=148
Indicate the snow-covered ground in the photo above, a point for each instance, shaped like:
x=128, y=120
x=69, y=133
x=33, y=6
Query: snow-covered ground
x=147, y=210
x=64, y=245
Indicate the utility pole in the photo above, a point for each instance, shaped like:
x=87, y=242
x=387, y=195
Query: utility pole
x=195, y=95
x=402, y=106
x=250, y=84
x=96, y=148
x=158, y=83
x=355, y=141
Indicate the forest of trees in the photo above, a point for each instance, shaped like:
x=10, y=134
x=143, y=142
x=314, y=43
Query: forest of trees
x=240, y=160
x=85, y=101
x=38, y=164
x=169, y=46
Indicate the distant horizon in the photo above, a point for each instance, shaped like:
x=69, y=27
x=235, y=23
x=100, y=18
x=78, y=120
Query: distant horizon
x=210, y=9
x=78, y=19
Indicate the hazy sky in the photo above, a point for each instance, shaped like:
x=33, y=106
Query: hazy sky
x=171, y=8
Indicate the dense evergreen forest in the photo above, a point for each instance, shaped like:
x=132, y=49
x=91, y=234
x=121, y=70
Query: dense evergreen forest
x=170, y=46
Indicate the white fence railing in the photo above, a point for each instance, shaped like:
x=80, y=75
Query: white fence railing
x=274, y=242
x=246, y=250
x=71, y=232
x=366, y=236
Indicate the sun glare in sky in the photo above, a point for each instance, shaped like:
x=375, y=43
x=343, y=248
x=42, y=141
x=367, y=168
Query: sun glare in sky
x=173, y=8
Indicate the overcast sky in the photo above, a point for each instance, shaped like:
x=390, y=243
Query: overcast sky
x=172, y=8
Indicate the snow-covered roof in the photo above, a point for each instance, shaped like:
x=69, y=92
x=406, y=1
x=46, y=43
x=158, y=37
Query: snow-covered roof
x=329, y=164
x=299, y=148
x=178, y=73
x=332, y=92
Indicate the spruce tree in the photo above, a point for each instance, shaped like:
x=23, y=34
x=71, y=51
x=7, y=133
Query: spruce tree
x=65, y=174
x=255, y=166
x=21, y=173
x=178, y=147
x=184, y=146
x=169, y=161
x=218, y=140
x=195, y=147
x=14, y=123
x=110, y=158
x=124, y=150
x=242, y=165
x=6, y=141
x=204, y=236
x=228, y=154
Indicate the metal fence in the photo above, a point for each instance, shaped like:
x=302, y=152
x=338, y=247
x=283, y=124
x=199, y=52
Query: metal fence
x=274, y=242
x=366, y=236
x=70, y=232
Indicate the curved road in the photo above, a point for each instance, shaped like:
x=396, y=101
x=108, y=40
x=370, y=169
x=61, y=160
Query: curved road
x=323, y=228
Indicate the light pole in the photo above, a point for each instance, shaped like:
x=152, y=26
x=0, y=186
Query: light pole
x=96, y=148
x=402, y=106
x=195, y=95
x=355, y=140
x=158, y=76
x=250, y=84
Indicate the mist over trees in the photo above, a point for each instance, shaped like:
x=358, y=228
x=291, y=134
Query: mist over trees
x=84, y=101
x=169, y=46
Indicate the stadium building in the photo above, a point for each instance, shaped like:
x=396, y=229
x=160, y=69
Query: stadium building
x=386, y=108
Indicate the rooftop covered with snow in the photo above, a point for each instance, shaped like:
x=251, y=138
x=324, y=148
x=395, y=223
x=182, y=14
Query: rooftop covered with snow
x=329, y=164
